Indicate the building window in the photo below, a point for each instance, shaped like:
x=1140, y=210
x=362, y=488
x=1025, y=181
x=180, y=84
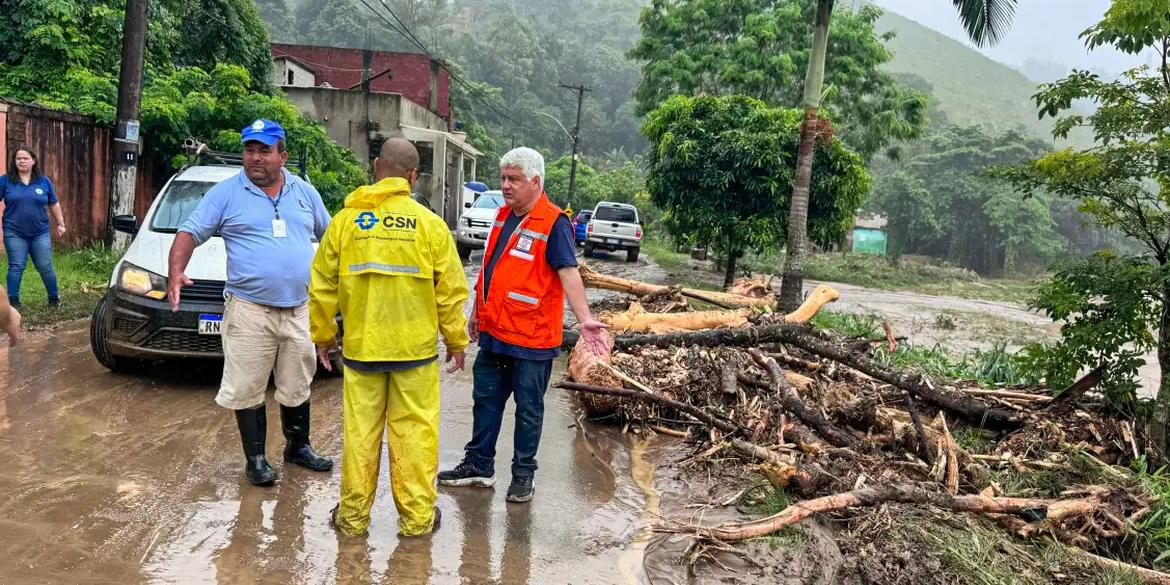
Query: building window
x=290, y=76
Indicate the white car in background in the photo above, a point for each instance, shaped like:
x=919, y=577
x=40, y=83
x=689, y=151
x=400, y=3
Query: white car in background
x=476, y=222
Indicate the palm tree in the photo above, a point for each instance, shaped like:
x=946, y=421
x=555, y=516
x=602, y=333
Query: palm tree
x=985, y=20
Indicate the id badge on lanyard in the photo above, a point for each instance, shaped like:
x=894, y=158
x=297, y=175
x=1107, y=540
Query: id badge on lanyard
x=279, y=227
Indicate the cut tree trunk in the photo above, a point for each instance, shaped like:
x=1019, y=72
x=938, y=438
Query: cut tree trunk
x=594, y=279
x=589, y=367
x=793, y=283
x=819, y=343
x=635, y=319
x=1027, y=507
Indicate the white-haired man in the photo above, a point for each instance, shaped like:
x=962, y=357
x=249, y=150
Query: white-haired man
x=529, y=268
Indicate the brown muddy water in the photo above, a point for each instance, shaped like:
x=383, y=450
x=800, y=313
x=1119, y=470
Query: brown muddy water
x=138, y=479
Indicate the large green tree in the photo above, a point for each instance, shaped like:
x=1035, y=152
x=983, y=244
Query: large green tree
x=58, y=53
x=721, y=168
x=759, y=48
x=942, y=202
x=64, y=52
x=1123, y=183
x=224, y=31
x=984, y=20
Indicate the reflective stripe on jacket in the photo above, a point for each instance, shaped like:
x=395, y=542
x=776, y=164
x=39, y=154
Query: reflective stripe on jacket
x=390, y=266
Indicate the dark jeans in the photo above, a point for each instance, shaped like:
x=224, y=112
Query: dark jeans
x=496, y=377
x=19, y=249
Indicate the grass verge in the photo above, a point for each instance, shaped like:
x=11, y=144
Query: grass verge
x=82, y=276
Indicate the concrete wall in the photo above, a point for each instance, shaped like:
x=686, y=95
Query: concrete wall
x=413, y=114
x=412, y=75
x=290, y=73
x=343, y=113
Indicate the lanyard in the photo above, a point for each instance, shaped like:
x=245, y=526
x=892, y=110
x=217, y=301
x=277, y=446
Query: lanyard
x=276, y=202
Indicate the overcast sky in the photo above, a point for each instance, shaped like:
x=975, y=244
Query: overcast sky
x=1045, y=30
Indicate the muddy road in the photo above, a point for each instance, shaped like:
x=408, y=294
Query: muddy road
x=963, y=325
x=138, y=479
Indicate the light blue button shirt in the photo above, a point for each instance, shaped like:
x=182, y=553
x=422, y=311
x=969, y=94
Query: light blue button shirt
x=261, y=267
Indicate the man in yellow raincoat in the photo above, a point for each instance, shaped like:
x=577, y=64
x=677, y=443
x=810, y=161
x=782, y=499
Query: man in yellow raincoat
x=390, y=267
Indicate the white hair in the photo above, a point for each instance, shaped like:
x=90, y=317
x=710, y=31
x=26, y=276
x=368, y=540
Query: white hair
x=527, y=159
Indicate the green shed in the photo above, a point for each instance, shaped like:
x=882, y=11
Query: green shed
x=869, y=241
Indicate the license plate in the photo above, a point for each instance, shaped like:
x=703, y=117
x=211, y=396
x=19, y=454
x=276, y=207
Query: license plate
x=209, y=324
x=611, y=240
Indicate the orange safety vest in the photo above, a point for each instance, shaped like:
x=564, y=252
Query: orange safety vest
x=525, y=304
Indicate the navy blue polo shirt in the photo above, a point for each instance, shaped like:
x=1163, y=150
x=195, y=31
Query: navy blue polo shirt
x=26, y=211
x=561, y=252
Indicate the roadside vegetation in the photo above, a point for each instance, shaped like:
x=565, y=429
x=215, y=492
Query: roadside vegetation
x=82, y=277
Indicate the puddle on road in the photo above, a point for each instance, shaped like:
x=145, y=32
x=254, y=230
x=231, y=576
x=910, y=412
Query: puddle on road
x=134, y=479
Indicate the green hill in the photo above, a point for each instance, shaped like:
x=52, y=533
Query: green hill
x=969, y=88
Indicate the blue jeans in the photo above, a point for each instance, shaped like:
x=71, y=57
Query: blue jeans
x=496, y=376
x=19, y=249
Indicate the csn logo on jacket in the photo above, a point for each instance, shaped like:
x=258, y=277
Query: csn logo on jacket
x=367, y=220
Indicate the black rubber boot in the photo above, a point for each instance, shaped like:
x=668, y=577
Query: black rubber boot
x=253, y=424
x=294, y=421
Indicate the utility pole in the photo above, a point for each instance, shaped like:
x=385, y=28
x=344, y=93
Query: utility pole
x=580, y=89
x=126, y=136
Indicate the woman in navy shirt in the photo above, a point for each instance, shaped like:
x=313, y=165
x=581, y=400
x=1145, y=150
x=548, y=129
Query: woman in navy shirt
x=26, y=198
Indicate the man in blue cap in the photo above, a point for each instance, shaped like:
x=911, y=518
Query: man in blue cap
x=268, y=219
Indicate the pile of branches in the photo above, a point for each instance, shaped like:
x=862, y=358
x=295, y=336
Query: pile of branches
x=823, y=419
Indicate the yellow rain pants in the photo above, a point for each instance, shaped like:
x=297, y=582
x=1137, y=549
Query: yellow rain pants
x=406, y=405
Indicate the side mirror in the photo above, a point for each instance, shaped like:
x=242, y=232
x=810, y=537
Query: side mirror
x=467, y=205
x=126, y=224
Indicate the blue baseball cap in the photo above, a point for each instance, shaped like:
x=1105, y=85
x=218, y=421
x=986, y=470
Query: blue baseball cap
x=264, y=131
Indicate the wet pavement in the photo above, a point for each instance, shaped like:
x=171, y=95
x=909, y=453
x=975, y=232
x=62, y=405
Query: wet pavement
x=138, y=479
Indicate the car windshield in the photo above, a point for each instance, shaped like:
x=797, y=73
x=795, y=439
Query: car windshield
x=177, y=204
x=584, y=216
x=622, y=214
x=489, y=201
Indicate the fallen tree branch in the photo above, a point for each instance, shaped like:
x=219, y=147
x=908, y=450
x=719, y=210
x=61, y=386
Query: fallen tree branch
x=952, y=474
x=796, y=405
x=906, y=494
x=824, y=345
x=1146, y=575
x=923, y=441
x=699, y=414
x=1066, y=400
x=1008, y=395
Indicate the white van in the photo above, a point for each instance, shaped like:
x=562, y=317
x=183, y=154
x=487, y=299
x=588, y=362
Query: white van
x=133, y=323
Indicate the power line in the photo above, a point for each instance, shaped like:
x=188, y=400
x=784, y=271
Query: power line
x=407, y=34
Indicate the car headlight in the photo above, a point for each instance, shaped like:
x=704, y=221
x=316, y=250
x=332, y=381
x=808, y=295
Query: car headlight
x=140, y=281
x=467, y=221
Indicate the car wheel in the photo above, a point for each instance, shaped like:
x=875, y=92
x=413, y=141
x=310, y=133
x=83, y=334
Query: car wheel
x=632, y=254
x=588, y=250
x=99, y=343
x=464, y=251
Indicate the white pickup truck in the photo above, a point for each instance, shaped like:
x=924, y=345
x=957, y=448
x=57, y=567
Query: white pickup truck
x=614, y=226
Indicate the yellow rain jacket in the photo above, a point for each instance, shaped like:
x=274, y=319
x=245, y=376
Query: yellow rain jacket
x=395, y=262
x=390, y=266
